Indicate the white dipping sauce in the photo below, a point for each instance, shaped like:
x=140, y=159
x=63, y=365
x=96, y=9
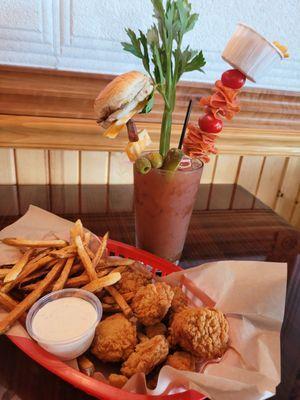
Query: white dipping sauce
x=64, y=319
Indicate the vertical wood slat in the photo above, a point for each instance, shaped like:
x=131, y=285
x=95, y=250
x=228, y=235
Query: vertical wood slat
x=225, y=171
x=250, y=172
x=120, y=176
x=271, y=179
x=289, y=189
x=32, y=166
x=94, y=167
x=64, y=167
x=295, y=217
x=94, y=170
x=7, y=167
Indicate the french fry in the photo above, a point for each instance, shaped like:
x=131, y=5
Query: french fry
x=61, y=281
x=4, y=272
x=19, y=242
x=114, y=262
x=65, y=252
x=24, y=305
x=110, y=300
x=89, y=251
x=77, y=281
x=29, y=269
x=76, y=230
x=85, y=259
x=38, y=274
x=86, y=366
x=18, y=267
x=100, y=250
x=99, y=283
x=110, y=308
x=127, y=311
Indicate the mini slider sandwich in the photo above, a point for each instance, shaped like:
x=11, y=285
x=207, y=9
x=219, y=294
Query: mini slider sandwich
x=124, y=97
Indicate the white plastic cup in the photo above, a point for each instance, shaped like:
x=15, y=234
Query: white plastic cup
x=71, y=348
x=250, y=52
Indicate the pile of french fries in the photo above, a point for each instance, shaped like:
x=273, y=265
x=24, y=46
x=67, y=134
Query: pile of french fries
x=51, y=265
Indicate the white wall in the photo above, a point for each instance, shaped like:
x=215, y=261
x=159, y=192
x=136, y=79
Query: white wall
x=85, y=35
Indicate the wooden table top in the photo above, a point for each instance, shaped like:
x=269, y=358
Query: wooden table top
x=227, y=223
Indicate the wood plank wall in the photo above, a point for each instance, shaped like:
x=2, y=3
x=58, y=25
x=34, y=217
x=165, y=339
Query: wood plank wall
x=273, y=179
x=47, y=125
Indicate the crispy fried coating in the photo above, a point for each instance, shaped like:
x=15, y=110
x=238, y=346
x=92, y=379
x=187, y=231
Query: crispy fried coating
x=200, y=331
x=182, y=360
x=156, y=329
x=180, y=300
x=115, y=339
x=146, y=356
x=152, y=302
x=117, y=380
x=131, y=281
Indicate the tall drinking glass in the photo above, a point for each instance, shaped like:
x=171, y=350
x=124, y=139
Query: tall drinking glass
x=164, y=202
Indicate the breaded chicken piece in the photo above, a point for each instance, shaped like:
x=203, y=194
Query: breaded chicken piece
x=182, y=360
x=152, y=302
x=146, y=356
x=180, y=300
x=117, y=380
x=115, y=339
x=132, y=280
x=156, y=329
x=200, y=331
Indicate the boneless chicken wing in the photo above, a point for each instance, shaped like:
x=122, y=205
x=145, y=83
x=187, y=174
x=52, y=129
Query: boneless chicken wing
x=152, y=302
x=146, y=356
x=182, y=360
x=200, y=331
x=115, y=339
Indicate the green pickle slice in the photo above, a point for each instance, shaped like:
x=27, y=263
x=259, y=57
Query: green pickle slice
x=143, y=165
x=172, y=160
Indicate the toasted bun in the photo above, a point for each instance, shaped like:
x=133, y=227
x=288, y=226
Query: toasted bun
x=121, y=91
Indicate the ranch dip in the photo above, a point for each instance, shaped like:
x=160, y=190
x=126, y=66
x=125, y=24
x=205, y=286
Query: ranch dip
x=64, y=319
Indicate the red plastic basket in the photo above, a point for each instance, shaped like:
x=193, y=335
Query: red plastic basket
x=89, y=385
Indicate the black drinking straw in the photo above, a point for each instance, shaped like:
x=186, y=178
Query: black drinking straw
x=186, y=121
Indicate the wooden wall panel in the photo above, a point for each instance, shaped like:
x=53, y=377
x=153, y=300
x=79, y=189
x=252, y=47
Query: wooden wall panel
x=295, y=219
x=249, y=173
x=94, y=167
x=120, y=169
x=270, y=181
x=64, y=167
x=7, y=167
x=208, y=170
x=32, y=166
x=226, y=169
x=289, y=189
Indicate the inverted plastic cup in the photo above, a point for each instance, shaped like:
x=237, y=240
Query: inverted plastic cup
x=71, y=348
x=250, y=52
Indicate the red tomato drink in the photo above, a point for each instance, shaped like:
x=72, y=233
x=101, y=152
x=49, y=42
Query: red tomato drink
x=164, y=202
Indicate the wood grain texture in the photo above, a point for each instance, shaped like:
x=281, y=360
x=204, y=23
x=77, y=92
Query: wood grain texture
x=7, y=167
x=34, y=93
x=295, y=218
x=42, y=92
x=80, y=134
x=270, y=180
x=289, y=189
x=94, y=167
x=120, y=169
x=32, y=166
x=64, y=167
x=249, y=172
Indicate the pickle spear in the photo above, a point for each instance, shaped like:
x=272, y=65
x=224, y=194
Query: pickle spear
x=172, y=160
x=155, y=159
x=143, y=165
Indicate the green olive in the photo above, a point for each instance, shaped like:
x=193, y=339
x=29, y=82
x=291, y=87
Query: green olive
x=155, y=159
x=143, y=165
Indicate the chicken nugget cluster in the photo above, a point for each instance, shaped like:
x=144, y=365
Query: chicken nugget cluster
x=148, y=324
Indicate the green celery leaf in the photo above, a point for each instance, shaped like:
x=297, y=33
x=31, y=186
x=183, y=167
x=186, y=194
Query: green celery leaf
x=196, y=63
x=148, y=107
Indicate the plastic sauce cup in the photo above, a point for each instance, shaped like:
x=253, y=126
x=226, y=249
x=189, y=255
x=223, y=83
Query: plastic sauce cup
x=70, y=348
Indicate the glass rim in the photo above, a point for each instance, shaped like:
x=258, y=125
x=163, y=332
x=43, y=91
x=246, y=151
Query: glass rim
x=38, y=305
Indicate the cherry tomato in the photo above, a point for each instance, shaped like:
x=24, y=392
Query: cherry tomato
x=233, y=79
x=208, y=123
